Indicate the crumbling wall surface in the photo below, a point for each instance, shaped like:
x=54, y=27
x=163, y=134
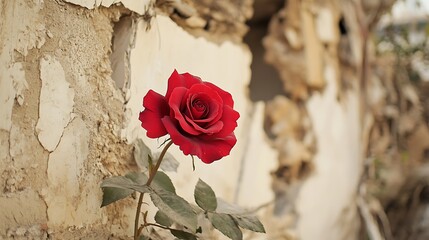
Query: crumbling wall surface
x=59, y=120
x=216, y=20
x=316, y=126
x=368, y=161
x=73, y=75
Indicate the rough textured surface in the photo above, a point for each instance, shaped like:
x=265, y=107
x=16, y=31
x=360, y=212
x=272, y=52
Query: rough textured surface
x=21, y=36
x=316, y=132
x=215, y=20
x=23, y=215
x=299, y=49
x=28, y=197
x=136, y=6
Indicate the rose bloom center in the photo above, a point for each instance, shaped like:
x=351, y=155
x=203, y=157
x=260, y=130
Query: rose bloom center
x=199, y=109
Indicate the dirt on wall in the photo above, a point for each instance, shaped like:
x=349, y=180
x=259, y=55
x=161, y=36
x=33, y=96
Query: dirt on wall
x=42, y=163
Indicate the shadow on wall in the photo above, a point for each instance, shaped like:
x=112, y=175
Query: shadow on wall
x=265, y=82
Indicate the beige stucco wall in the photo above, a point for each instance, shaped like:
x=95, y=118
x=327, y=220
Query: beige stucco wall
x=65, y=124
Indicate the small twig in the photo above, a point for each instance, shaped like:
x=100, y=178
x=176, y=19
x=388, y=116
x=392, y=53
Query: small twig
x=160, y=226
x=155, y=225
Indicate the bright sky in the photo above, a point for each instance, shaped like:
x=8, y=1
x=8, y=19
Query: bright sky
x=405, y=10
x=410, y=7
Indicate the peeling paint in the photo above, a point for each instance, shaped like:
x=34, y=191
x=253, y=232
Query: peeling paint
x=133, y=5
x=12, y=85
x=31, y=39
x=56, y=103
x=68, y=179
x=20, y=34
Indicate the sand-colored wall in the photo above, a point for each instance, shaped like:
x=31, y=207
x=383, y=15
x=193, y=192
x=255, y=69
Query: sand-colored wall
x=68, y=118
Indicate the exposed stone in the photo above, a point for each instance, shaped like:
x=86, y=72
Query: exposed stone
x=288, y=125
x=301, y=45
x=216, y=20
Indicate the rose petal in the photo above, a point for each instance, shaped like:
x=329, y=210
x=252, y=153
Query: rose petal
x=212, y=115
x=229, y=120
x=198, y=109
x=226, y=96
x=211, y=129
x=208, y=150
x=185, y=80
x=156, y=108
x=175, y=103
x=211, y=98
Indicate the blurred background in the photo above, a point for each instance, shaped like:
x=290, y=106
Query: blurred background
x=359, y=71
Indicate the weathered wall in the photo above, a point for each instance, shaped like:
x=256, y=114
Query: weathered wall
x=59, y=108
x=69, y=113
x=72, y=78
x=316, y=124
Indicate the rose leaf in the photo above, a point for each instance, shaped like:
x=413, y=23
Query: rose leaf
x=226, y=225
x=163, y=219
x=183, y=235
x=111, y=195
x=175, y=207
x=248, y=222
x=119, y=187
x=163, y=181
x=132, y=181
x=205, y=196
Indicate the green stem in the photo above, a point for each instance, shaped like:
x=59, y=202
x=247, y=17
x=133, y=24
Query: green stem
x=152, y=173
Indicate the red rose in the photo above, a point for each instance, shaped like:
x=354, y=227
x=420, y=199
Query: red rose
x=198, y=115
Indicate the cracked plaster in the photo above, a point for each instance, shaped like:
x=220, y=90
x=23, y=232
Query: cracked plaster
x=138, y=6
x=56, y=103
x=68, y=179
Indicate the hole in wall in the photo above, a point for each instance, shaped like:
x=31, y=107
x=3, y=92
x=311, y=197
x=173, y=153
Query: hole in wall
x=342, y=26
x=265, y=81
x=119, y=58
